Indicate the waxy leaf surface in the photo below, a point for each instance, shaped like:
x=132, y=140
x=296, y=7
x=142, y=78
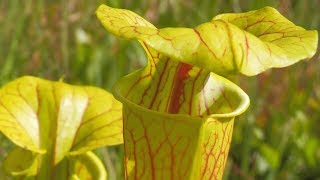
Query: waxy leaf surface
x=178, y=113
x=173, y=146
x=249, y=43
x=56, y=119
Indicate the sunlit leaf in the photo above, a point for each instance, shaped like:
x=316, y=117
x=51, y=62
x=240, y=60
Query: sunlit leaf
x=57, y=119
x=268, y=40
x=248, y=43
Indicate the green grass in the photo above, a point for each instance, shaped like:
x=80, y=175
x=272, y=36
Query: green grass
x=277, y=138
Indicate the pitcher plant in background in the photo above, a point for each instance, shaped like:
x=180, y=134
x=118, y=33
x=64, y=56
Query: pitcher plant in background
x=179, y=109
x=55, y=126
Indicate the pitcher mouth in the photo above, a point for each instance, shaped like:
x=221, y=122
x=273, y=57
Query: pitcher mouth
x=241, y=107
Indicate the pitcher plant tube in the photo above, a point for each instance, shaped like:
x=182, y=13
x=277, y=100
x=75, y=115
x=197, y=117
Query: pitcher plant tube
x=55, y=126
x=179, y=109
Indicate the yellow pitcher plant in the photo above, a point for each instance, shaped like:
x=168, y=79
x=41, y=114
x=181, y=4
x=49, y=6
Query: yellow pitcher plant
x=179, y=109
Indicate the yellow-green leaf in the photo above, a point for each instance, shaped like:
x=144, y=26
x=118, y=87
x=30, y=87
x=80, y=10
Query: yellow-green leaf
x=87, y=166
x=249, y=43
x=21, y=162
x=268, y=39
x=58, y=118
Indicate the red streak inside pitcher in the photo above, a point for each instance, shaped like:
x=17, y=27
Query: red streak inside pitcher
x=179, y=83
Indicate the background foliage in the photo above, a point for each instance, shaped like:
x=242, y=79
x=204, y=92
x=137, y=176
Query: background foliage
x=277, y=138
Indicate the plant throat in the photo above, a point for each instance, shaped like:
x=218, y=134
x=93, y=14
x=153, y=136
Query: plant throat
x=179, y=81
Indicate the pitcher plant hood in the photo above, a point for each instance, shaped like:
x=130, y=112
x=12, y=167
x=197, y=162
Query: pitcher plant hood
x=249, y=43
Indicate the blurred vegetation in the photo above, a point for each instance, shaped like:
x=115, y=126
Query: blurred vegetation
x=277, y=138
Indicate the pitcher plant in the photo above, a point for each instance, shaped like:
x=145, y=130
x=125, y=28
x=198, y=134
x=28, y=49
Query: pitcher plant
x=179, y=109
x=55, y=126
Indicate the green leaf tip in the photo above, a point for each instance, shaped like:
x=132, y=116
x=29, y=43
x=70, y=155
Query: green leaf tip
x=249, y=43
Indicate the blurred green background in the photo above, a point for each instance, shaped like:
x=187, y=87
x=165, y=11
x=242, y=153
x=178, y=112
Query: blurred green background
x=277, y=138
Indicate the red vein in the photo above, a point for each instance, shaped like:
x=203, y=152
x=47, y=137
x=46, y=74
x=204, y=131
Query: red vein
x=220, y=152
x=96, y=129
x=181, y=75
x=257, y=22
x=209, y=153
x=202, y=40
x=150, y=154
x=158, y=84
